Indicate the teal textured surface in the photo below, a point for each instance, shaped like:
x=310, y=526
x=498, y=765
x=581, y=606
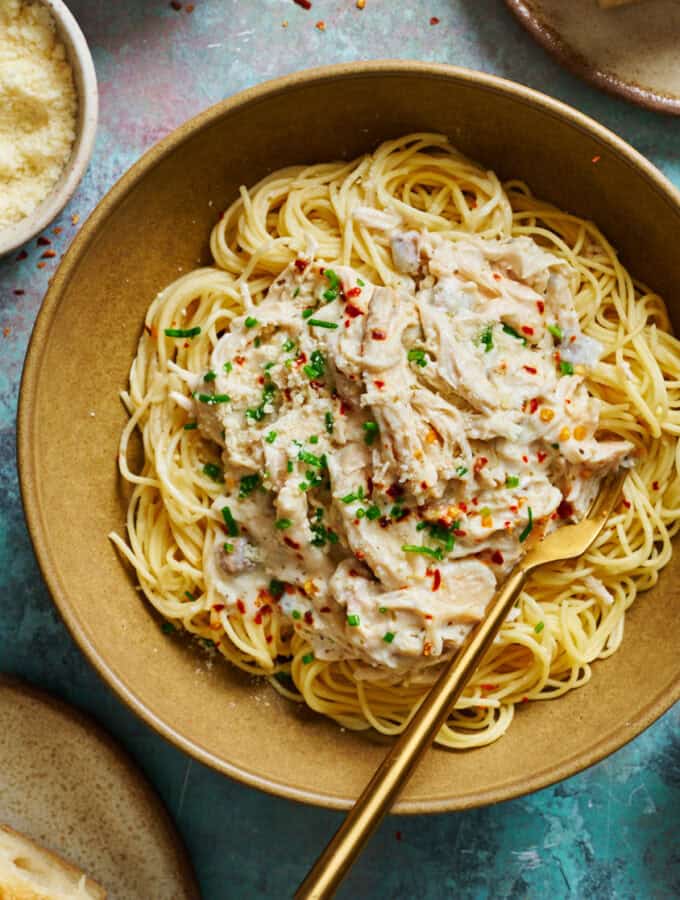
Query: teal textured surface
x=610, y=832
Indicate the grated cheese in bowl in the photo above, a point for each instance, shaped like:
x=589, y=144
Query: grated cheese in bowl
x=38, y=106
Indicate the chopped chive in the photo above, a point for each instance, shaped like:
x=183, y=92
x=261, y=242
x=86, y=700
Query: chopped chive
x=296, y=292
x=228, y=548
x=276, y=588
x=555, y=446
x=353, y=620
x=289, y=466
x=538, y=628
x=508, y=329
x=288, y=346
x=314, y=439
x=257, y=342
x=361, y=283
x=397, y=511
x=332, y=278
x=388, y=637
x=566, y=368
x=228, y=367
x=321, y=323
x=183, y=332
x=296, y=614
x=229, y=521
x=349, y=498
x=283, y=524
x=306, y=313
x=530, y=524
x=191, y=426
x=417, y=356
x=373, y=512
x=486, y=338
x=360, y=513
x=209, y=376
x=213, y=471
x=382, y=609
x=247, y=485
x=189, y=595
x=370, y=432
x=270, y=437
x=328, y=419
x=311, y=459
x=255, y=414
x=307, y=658
x=512, y=481
x=214, y=399
x=168, y=628
x=425, y=551
x=251, y=322
x=460, y=471
x=556, y=332
x=330, y=295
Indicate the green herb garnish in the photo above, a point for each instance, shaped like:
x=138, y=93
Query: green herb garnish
x=486, y=339
x=283, y=524
x=373, y=512
x=213, y=471
x=508, y=329
x=247, y=484
x=321, y=323
x=530, y=524
x=370, y=432
x=228, y=548
x=183, y=332
x=229, y=521
x=270, y=437
x=566, y=368
x=209, y=376
x=191, y=426
x=417, y=356
x=460, y=471
x=251, y=322
x=328, y=419
x=435, y=553
x=214, y=399
x=307, y=658
x=512, y=481
x=353, y=620
x=289, y=345
x=388, y=637
x=556, y=332
x=538, y=628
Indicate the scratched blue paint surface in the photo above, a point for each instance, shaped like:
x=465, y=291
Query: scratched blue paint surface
x=610, y=832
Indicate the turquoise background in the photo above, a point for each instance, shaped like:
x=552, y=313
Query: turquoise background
x=608, y=832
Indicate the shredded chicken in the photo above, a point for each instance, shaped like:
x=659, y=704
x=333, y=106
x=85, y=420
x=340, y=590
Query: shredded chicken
x=390, y=452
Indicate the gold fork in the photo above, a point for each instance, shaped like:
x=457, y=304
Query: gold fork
x=399, y=764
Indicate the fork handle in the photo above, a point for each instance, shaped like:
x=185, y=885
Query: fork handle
x=386, y=784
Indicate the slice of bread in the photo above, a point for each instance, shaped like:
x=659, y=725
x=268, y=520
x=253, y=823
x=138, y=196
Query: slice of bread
x=30, y=872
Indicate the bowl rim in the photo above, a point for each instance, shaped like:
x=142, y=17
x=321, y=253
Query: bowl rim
x=14, y=236
x=28, y=470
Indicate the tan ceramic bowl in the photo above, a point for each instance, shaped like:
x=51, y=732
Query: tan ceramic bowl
x=154, y=224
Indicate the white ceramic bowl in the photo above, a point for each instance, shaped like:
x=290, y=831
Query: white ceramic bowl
x=80, y=58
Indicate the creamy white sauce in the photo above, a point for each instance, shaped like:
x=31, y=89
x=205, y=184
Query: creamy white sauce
x=391, y=464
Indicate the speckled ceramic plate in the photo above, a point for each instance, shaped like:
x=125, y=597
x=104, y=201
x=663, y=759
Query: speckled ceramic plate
x=155, y=223
x=632, y=51
x=65, y=784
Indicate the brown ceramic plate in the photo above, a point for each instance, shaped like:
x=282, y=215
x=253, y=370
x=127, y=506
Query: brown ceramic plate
x=632, y=51
x=98, y=813
x=156, y=223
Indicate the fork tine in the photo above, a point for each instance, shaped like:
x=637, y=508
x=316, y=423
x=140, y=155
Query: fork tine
x=608, y=494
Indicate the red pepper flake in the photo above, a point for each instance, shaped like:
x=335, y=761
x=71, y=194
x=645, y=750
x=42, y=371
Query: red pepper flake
x=428, y=617
x=41, y=265
x=344, y=408
x=479, y=464
x=58, y=230
x=189, y=7
x=513, y=509
x=507, y=524
x=176, y=5
x=301, y=358
x=6, y=331
x=353, y=311
x=595, y=160
x=541, y=455
x=291, y=543
x=434, y=20
x=398, y=835
x=257, y=618
x=48, y=254
x=497, y=277
x=218, y=607
x=21, y=255
x=527, y=329
x=19, y=292
x=525, y=699
x=289, y=589
x=320, y=25
x=488, y=687
x=346, y=323
x=541, y=306
x=378, y=335
x=301, y=264
x=241, y=607
x=497, y=557
x=424, y=485
x=309, y=618
x=525, y=459
x=359, y=554
x=239, y=360
x=287, y=393
x=43, y=241
x=260, y=380
x=305, y=4
x=655, y=485
x=475, y=501
x=353, y=292
x=436, y=580
x=462, y=507
x=269, y=638
x=626, y=503
x=379, y=384
x=325, y=609
x=459, y=532
x=565, y=510
x=533, y=405
x=530, y=369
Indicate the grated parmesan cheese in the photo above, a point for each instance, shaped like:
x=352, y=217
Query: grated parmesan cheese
x=37, y=108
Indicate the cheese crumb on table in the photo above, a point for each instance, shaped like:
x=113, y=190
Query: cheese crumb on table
x=37, y=108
